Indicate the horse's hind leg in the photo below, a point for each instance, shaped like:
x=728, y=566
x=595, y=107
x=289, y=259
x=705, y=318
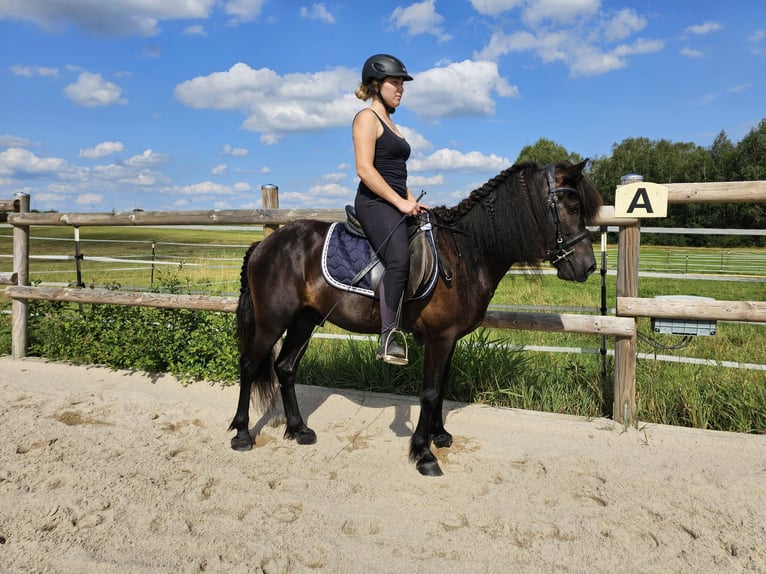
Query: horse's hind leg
x=294, y=346
x=258, y=371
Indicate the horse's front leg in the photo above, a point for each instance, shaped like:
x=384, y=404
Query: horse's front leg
x=441, y=438
x=436, y=367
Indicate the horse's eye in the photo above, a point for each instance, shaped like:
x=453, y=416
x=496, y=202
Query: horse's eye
x=573, y=209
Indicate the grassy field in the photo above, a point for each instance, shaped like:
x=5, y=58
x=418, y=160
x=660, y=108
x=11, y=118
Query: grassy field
x=208, y=260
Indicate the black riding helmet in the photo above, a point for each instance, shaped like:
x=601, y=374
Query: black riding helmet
x=382, y=66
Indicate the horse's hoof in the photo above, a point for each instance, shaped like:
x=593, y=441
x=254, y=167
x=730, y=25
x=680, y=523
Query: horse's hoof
x=429, y=468
x=242, y=441
x=443, y=440
x=306, y=436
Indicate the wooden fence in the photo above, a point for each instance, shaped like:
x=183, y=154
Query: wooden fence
x=622, y=326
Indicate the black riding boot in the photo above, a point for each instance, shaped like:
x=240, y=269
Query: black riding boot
x=393, y=345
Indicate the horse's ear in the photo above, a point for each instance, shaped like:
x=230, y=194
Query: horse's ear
x=575, y=171
x=580, y=166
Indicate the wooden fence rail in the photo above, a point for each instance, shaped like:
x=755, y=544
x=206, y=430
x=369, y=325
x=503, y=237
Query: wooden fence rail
x=554, y=322
x=705, y=310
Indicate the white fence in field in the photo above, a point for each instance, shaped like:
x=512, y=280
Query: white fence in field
x=715, y=264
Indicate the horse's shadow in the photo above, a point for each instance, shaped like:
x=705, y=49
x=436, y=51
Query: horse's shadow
x=312, y=398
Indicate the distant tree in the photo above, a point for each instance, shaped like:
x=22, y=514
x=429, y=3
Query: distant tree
x=723, y=154
x=545, y=151
x=751, y=154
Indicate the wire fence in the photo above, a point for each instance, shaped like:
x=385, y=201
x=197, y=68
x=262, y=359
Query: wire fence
x=216, y=266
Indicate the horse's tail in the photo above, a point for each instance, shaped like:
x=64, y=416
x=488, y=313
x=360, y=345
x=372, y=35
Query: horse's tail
x=262, y=377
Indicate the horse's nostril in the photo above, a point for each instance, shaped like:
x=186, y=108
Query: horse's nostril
x=591, y=269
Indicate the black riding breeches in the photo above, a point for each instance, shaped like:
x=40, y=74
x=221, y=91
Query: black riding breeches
x=386, y=228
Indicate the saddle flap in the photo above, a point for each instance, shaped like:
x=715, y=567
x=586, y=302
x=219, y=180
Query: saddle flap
x=422, y=263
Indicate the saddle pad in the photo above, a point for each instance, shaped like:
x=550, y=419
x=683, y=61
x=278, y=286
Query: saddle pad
x=344, y=255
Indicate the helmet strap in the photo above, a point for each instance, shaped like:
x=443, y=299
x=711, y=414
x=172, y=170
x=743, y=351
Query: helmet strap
x=378, y=95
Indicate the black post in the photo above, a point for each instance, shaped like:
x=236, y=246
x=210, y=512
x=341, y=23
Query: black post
x=603, y=299
x=78, y=256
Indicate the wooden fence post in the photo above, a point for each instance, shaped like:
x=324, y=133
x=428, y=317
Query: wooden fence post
x=20, y=307
x=270, y=200
x=625, y=348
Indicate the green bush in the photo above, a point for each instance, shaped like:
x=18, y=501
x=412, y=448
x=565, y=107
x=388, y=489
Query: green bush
x=191, y=345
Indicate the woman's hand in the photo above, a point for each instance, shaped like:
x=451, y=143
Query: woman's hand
x=411, y=206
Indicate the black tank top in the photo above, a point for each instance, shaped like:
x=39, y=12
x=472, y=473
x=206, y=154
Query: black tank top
x=391, y=155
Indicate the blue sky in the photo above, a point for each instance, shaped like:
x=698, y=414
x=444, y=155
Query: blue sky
x=195, y=104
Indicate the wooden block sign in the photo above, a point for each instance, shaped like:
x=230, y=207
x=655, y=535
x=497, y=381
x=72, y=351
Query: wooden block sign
x=641, y=199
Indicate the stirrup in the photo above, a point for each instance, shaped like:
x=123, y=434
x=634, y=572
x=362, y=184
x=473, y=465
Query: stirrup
x=390, y=350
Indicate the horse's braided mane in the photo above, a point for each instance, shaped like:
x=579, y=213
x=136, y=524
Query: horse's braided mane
x=450, y=215
x=499, y=219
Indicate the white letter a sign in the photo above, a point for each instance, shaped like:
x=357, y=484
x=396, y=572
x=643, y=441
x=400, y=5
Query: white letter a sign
x=641, y=199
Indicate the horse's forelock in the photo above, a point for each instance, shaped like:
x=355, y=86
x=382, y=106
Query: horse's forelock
x=590, y=199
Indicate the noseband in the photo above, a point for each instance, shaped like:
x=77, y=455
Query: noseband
x=564, y=247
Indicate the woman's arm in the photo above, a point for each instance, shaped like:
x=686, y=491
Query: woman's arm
x=366, y=130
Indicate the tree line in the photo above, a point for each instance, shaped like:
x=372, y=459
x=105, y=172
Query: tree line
x=663, y=161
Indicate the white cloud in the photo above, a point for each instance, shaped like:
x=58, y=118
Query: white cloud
x=330, y=189
x=334, y=177
x=458, y=89
x=202, y=188
x=112, y=18
x=702, y=29
x=690, y=53
x=89, y=199
x=276, y=106
x=234, y=151
x=17, y=162
x=243, y=10
x=318, y=11
x=623, y=24
x=562, y=11
x=220, y=169
x=452, y=160
x=242, y=187
x=583, y=54
x=640, y=46
x=34, y=71
x=420, y=18
x=417, y=142
x=494, y=7
x=102, y=150
x=424, y=182
x=91, y=90
x=13, y=141
x=147, y=159
x=196, y=30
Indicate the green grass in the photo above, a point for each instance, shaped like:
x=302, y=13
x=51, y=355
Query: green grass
x=487, y=368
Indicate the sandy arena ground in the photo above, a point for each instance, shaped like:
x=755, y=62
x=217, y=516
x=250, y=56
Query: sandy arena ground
x=121, y=472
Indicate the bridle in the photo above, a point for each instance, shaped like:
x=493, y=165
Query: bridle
x=564, y=247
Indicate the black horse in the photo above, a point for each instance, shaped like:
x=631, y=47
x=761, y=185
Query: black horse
x=526, y=214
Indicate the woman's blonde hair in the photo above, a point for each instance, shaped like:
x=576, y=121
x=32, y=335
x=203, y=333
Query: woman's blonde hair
x=365, y=92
